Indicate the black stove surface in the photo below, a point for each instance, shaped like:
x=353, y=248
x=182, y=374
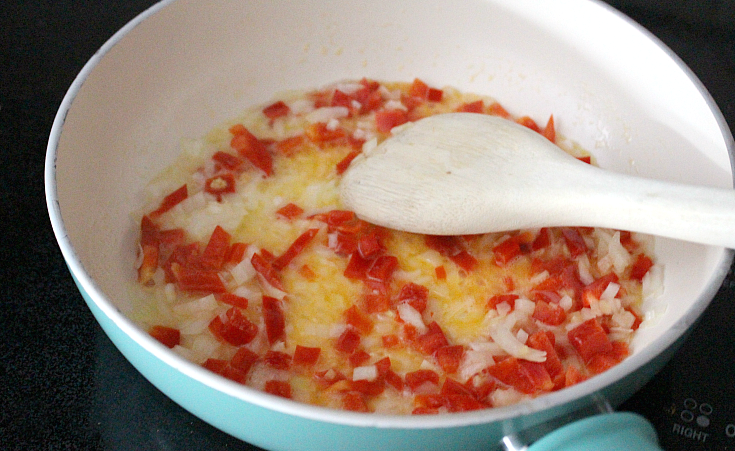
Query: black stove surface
x=63, y=385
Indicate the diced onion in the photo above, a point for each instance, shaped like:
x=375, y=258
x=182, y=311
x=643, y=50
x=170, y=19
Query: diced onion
x=501, y=333
x=524, y=306
x=566, y=302
x=206, y=304
x=473, y=362
x=327, y=113
x=610, y=292
x=243, y=272
x=653, y=282
x=365, y=373
x=411, y=316
x=623, y=319
x=395, y=105
x=501, y=397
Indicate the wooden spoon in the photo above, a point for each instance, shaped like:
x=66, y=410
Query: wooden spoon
x=463, y=173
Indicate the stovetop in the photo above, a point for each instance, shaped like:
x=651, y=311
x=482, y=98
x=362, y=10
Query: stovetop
x=63, y=385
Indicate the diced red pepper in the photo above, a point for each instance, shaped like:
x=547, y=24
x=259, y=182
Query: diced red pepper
x=358, y=358
x=277, y=359
x=418, y=89
x=600, y=362
x=171, y=200
x=425, y=411
x=477, y=106
x=251, y=148
x=307, y=273
x=462, y=403
x=573, y=376
x=452, y=248
x=627, y=240
x=235, y=328
x=509, y=298
x=295, y=249
x=595, y=289
x=244, y=359
x=371, y=100
x=216, y=251
x=276, y=110
x=441, y=272
x=452, y=387
x=346, y=161
x=417, y=378
x=550, y=284
x=585, y=159
x=417, y=296
x=640, y=267
x=198, y=280
x=220, y=184
x=589, y=339
x=506, y=251
x=369, y=388
x=382, y=268
x=386, y=120
x=638, y=319
x=355, y=318
x=335, y=218
x=542, y=342
x=528, y=122
x=354, y=402
x=434, y=95
x=275, y=323
x=236, y=253
x=148, y=264
x=549, y=313
x=339, y=98
x=376, y=298
x=509, y=282
x=574, y=241
x=369, y=245
x=289, y=146
x=328, y=377
x=215, y=365
x=224, y=369
x=549, y=131
x=290, y=211
x=306, y=356
x=320, y=133
x=357, y=267
x=393, y=379
x=233, y=300
x=348, y=341
x=542, y=240
x=168, y=336
x=390, y=340
x=237, y=129
x=538, y=375
x=180, y=257
x=149, y=232
x=432, y=339
x=449, y=357
x=266, y=270
x=227, y=160
x=278, y=388
x=521, y=375
x=465, y=261
x=496, y=109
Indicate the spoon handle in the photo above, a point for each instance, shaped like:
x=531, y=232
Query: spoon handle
x=699, y=214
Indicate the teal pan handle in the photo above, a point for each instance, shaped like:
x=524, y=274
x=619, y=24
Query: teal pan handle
x=621, y=431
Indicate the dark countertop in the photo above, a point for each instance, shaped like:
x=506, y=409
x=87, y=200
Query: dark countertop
x=63, y=385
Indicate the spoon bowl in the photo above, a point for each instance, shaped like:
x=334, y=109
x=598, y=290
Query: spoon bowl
x=465, y=173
